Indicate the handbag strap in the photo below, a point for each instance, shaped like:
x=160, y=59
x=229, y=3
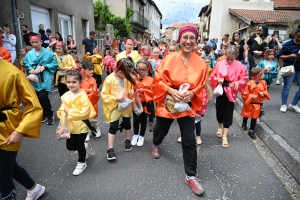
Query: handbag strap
x=295, y=61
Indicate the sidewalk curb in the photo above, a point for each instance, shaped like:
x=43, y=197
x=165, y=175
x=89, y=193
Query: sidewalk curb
x=287, y=155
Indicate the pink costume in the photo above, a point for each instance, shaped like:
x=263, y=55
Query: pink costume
x=235, y=72
x=157, y=62
x=205, y=103
x=109, y=64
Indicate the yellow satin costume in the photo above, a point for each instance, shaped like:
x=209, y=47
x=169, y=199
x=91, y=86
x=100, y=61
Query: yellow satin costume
x=134, y=55
x=97, y=61
x=67, y=62
x=15, y=87
x=110, y=90
x=80, y=108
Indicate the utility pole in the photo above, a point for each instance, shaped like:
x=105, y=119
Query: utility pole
x=17, y=27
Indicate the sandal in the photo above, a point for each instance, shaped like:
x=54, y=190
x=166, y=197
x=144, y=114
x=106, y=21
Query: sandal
x=225, y=142
x=219, y=133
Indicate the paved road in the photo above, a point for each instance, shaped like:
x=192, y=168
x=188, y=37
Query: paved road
x=238, y=172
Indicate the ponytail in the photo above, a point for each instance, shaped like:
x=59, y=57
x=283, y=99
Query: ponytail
x=122, y=66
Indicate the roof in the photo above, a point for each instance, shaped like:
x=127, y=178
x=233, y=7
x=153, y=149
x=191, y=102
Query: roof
x=265, y=16
x=286, y=4
x=204, y=9
x=154, y=4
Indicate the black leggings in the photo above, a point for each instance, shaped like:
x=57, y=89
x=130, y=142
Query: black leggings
x=62, y=88
x=114, y=126
x=224, y=110
x=252, y=123
x=76, y=143
x=9, y=170
x=45, y=103
x=137, y=120
x=98, y=79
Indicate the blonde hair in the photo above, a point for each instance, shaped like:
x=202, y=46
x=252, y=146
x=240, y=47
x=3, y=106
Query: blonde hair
x=232, y=50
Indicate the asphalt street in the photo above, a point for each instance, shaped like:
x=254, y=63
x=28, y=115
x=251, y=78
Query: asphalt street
x=238, y=172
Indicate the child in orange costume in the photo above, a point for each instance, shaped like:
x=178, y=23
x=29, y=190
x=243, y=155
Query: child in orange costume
x=89, y=85
x=254, y=95
x=24, y=51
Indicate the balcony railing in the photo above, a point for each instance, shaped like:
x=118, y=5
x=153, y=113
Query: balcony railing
x=140, y=19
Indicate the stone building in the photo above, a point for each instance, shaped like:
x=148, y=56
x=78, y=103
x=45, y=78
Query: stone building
x=205, y=16
x=68, y=17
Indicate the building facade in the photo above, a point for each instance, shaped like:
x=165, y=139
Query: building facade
x=68, y=17
x=155, y=21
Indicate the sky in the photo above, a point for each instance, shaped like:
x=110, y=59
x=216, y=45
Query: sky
x=180, y=11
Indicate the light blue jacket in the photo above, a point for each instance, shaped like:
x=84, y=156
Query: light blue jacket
x=45, y=58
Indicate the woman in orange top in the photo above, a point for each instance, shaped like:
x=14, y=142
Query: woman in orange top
x=89, y=85
x=175, y=70
x=143, y=89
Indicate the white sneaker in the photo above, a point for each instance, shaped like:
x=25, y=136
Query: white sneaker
x=140, y=141
x=179, y=140
x=37, y=194
x=80, y=167
x=295, y=108
x=134, y=140
x=283, y=108
x=88, y=137
x=98, y=134
x=277, y=82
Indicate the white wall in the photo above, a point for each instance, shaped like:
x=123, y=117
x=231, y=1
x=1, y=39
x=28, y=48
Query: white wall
x=220, y=17
x=155, y=26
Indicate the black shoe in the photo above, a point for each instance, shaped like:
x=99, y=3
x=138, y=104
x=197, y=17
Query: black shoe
x=244, y=126
x=151, y=126
x=111, y=154
x=251, y=134
x=44, y=119
x=262, y=112
x=128, y=145
x=50, y=120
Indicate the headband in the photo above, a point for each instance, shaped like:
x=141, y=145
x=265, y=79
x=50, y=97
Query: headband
x=34, y=37
x=188, y=28
x=61, y=44
x=260, y=73
x=146, y=51
x=127, y=40
x=267, y=51
x=124, y=61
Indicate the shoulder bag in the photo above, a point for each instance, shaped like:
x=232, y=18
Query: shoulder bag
x=288, y=70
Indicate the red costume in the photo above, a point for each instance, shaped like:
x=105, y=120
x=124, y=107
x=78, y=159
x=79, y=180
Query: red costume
x=146, y=85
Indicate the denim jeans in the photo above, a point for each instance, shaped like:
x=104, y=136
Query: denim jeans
x=288, y=81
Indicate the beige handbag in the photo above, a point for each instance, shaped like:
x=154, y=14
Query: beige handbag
x=288, y=70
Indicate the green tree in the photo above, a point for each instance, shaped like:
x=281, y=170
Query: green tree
x=103, y=16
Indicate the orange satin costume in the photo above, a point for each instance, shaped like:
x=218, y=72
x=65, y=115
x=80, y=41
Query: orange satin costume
x=22, y=68
x=93, y=96
x=252, y=107
x=171, y=74
x=146, y=85
x=4, y=53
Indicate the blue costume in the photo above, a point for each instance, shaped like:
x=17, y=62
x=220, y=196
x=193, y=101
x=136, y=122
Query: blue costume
x=212, y=58
x=44, y=58
x=271, y=65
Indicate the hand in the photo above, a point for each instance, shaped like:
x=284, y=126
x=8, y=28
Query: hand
x=60, y=131
x=1, y=58
x=131, y=93
x=246, y=60
x=88, y=53
x=42, y=68
x=221, y=80
x=120, y=100
x=90, y=90
x=140, y=90
x=188, y=95
x=175, y=94
x=32, y=71
x=236, y=86
x=53, y=42
x=261, y=94
x=15, y=137
x=254, y=97
x=66, y=109
x=293, y=55
x=258, y=53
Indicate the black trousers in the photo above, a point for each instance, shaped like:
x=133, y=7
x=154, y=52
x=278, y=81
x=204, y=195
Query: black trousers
x=152, y=115
x=45, y=103
x=9, y=170
x=252, y=123
x=198, y=128
x=76, y=143
x=137, y=120
x=62, y=88
x=114, y=126
x=187, y=127
x=98, y=79
x=224, y=110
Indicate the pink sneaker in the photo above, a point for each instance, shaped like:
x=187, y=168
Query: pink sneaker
x=195, y=185
x=34, y=196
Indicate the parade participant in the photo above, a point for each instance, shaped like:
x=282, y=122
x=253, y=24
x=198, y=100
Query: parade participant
x=290, y=54
x=97, y=61
x=75, y=107
x=5, y=55
x=43, y=64
x=207, y=62
x=110, y=61
x=165, y=88
x=270, y=65
x=89, y=85
x=65, y=62
x=207, y=52
x=171, y=49
x=117, y=81
x=144, y=91
x=14, y=125
x=24, y=50
x=129, y=52
x=254, y=95
x=155, y=57
x=9, y=42
x=146, y=55
x=233, y=76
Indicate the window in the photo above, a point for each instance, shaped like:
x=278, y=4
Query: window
x=39, y=16
x=64, y=24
